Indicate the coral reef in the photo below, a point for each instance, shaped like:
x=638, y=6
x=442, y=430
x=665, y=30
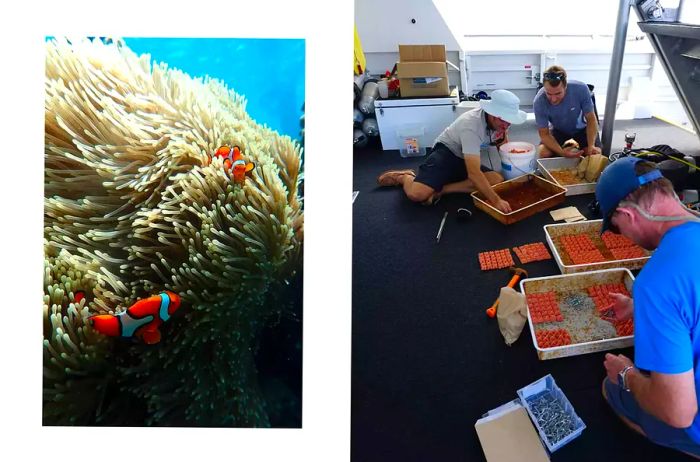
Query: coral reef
x=134, y=205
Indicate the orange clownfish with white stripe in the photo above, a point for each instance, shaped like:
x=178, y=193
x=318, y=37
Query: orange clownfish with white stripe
x=141, y=319
x=233, y=160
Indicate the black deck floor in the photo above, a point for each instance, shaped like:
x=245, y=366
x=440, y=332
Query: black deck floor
x=426, y=361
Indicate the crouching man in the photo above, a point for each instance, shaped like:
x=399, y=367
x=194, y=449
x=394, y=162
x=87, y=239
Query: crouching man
x=657, y=394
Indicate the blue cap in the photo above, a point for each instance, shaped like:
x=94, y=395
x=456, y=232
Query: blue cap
x=616, y=182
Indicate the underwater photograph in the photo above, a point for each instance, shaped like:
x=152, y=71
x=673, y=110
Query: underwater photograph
x=173, y=232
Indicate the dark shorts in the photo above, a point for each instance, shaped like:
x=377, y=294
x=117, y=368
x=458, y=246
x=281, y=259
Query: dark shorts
x=579, y=136
x=623, y=403
x=442, y=167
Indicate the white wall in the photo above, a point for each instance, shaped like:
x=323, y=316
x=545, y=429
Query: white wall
x=540, y=17
x=383, y=25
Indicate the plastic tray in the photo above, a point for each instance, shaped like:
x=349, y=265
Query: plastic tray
x=548, y=384
x=556, y=196
x=573, y=283
x=591, y=227
x=564, y=163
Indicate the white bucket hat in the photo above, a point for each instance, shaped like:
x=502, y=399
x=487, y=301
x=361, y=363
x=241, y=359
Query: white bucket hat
x=505, y=105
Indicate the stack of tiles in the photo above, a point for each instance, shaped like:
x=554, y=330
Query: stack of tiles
x=543, y=307
x=621, y=247
x=532, y=252
x=553, y=338
x=495, y=259
x=601, y=295
x=581, y=249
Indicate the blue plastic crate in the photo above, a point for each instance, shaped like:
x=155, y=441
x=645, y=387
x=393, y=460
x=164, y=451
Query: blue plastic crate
x=543, y=386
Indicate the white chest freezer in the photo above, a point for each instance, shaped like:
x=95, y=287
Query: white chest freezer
x=427, y=117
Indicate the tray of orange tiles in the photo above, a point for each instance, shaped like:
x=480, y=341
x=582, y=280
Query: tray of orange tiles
x=495, y=259
x=579, y=247
x=569, y=314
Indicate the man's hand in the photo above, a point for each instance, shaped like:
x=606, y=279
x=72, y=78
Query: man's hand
x=622, y=308
x=572, y=152
x=590, y=150
x=614, y=365
x=502, y=205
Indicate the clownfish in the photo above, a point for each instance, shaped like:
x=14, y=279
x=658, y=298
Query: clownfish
x=78, y=296
x=233, y=159
x=141, y=319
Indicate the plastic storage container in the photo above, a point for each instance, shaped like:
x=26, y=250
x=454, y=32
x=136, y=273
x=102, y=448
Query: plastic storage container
x=547, y=385
x=410, y=139
x=514, y=164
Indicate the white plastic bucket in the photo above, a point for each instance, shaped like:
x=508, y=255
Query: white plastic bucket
x=514, y=164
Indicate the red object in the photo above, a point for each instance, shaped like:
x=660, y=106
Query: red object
x=495, y=259
x=78, y=296
x=601, y=295
x=628, y=252
x=577, y=242
x=616, y=241
x=141, y=320
x=581, y=249
x=532, y=252
x=543, y=307
x=552, y=338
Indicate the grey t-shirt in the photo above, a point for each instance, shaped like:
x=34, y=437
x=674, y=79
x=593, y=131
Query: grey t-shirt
x=568, y=115
x=466, y=134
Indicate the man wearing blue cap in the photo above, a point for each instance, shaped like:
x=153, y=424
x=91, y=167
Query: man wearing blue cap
x=657, y=395
x=454, y=165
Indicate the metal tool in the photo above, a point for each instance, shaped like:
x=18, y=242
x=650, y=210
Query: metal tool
x=442, y=226
x=463, y=213
x=518, y=273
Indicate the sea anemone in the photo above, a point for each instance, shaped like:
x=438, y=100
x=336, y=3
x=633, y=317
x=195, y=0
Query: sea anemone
x=134, y=204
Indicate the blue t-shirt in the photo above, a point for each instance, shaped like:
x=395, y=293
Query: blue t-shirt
x=568, y=115
x=667, y=309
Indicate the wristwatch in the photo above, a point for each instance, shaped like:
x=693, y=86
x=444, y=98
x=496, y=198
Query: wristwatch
x=622, y=378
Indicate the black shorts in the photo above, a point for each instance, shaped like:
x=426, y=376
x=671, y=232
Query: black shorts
x=580, y=137
x=443, y=167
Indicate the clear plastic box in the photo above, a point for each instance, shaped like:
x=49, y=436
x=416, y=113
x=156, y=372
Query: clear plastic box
x=410, y=138
x=547, y=384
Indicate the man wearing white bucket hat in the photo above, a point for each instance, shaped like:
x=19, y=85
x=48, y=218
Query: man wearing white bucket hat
x=454, y=165
x=564, y=111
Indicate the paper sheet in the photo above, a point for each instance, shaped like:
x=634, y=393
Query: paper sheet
x=566, y=212
x=509, y=436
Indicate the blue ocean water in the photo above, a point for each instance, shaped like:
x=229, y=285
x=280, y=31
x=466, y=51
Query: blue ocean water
x=270, y=73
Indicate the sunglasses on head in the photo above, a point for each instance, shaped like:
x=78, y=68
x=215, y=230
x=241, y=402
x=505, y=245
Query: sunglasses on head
x=553, y=76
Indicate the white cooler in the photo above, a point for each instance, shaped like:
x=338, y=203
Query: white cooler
x=429, y=116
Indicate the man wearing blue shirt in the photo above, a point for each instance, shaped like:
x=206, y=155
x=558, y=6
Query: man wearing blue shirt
x=563, y=111
x=657, y=395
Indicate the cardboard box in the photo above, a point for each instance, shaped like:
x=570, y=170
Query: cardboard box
x=422, y=70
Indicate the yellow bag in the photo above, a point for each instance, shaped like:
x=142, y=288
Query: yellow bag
x=596, y=164
x=360, y=61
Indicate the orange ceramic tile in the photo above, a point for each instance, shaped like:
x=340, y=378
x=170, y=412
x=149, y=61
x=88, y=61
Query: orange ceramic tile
x=624, y=253
x=495, y=259
x=616, y=241
x=552, y=338
x=543, y=307
x=582, y=257
x=577, y=242
x=532, y=252
x=601, y=294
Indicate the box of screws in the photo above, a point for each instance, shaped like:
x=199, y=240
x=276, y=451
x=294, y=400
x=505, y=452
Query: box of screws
x=551, y=412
